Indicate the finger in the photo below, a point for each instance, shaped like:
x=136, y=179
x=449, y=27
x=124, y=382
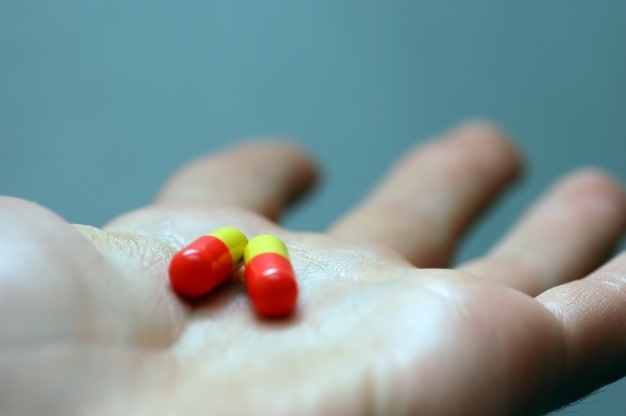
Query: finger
x=423, y=206
x=592, y=312
x=565, y=236
x=263, y=177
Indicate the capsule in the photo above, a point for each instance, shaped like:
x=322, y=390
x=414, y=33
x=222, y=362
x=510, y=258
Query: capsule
x=270, y=279
x=207, y=262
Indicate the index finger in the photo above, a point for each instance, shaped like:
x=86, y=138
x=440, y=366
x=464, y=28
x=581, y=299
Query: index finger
x=264, y=177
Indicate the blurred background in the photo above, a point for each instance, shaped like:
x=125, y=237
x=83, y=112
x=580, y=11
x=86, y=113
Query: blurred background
x=101, y=101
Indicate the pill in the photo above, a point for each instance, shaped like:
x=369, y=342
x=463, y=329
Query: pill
x=270, y=278
x=207, y=261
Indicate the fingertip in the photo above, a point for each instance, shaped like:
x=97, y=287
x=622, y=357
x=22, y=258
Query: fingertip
x=308, y=172
x=600, y=196
x=283, y=147
x=264, y=175
x=299, y=170
x=480, y=126
x=484, y=136
x=592, y=179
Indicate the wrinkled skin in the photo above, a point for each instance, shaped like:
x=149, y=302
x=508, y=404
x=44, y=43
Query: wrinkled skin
x=89, y=324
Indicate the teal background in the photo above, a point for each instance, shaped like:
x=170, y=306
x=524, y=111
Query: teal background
x=101, y=101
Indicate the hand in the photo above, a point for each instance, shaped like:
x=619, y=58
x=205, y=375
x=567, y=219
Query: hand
x=89, y=324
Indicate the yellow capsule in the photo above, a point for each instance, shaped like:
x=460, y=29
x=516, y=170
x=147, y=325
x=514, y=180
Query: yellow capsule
x=270, y=278
x=207, y=261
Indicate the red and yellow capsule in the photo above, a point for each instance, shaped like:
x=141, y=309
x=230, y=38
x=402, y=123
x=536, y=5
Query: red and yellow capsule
x=207, y=262
x=270, y=279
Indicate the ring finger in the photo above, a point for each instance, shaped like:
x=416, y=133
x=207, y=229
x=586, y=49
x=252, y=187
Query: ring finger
x=563, y=237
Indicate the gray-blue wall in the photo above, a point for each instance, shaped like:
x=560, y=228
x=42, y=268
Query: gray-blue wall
x=100, y=101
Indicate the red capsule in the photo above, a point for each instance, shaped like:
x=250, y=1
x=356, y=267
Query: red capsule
x=207, y=262
x=270, y=278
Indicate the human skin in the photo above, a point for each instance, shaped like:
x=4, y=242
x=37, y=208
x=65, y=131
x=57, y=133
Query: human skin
x=90, y=326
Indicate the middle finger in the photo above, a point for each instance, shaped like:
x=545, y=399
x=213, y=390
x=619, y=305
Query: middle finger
x=425, y=204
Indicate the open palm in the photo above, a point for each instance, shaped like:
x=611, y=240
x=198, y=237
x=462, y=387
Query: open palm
x=89, y=324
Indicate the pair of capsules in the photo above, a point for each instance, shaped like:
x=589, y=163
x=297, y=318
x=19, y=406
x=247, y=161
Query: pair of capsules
x=208, y=261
